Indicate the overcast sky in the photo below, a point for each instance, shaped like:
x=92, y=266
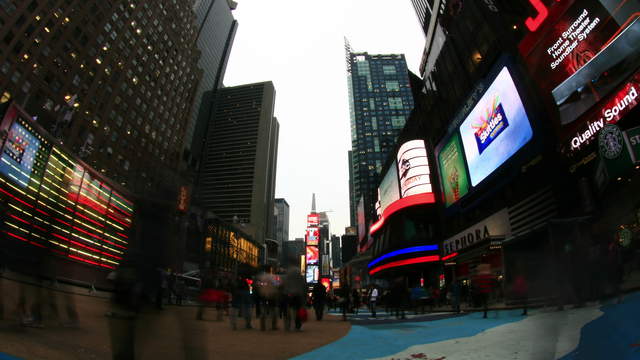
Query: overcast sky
x=298, y=44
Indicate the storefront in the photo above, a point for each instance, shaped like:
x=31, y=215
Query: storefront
x=479, y=244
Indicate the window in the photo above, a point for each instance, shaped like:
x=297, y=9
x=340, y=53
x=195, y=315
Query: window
x=395, y=103
x=392, y=86
x=397, y=122
x=388, y=69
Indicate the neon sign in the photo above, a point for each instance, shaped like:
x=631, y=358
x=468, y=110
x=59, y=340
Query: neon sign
x=534, y=23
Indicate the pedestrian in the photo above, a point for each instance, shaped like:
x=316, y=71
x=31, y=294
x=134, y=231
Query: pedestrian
x=294, y=292
x=319, y=294
x=521, y=291
x=241, y=303
x=268, y=297
x=163, y=285
x=373, y=299
x=616, y=269
x=455, y=296
x=355, y=300
x=345, y=300
x=484, y=286
x=399, y=294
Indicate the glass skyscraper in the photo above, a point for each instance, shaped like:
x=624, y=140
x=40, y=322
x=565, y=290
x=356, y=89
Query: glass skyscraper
x=380, y=101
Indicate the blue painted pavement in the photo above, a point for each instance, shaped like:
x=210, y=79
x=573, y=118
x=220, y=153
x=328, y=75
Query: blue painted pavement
x=614, y=335
x=4, y=356
x=373, y=341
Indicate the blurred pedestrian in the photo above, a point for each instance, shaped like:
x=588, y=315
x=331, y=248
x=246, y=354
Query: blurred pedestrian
x=268, y=297
x=345, y=301
x=399, y=297
x=521, y=291
x=241, y=303
x=455, y=296
x=356, y=301
x=319, y=294
x=484, y=283
x=163, y=285
x=615, y=269
x=294, y=292
x=373, y=299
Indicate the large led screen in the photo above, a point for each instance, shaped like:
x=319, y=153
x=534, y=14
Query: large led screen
x=389, y=190
x=313, y=273
x=455, y=183
x=496, y=128
x=18, y=154
x=312, y=236
x=583, y=50
x=313, y=255
x=413, y=169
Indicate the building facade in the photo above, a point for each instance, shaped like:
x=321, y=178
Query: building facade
x=216, y=32
x=236, y=179
x=281, y=218
x=380, y=101
x=112, y=80
x=518, y=89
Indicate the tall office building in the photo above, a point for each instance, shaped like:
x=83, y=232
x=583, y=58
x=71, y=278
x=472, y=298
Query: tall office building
x=216, y=31
x=281, y=218
x=424, y=9
x=380, y=101
x=112, y=80
x=238, y=172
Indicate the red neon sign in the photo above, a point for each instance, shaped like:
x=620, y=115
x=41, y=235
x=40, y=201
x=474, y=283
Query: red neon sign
x=534, y=23
x=423, y=259
x=398, y=205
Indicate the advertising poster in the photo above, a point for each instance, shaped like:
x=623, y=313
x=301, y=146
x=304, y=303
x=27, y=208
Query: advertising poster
x=18, y=154
x=413, y=169
x=455, y=183
x=313, y=255
x=312, y=236
x=389, y=190
x=495, y=129
x=582, y=51
x=361, y=221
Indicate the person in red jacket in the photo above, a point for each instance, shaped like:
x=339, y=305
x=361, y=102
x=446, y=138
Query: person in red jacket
x=484, y=283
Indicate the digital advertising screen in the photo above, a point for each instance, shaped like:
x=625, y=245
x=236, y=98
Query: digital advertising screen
x=313, y=255
x=72, y=212
x=18, y=154
x=496, y=128
x=582, y=51
x=413, y=169
x=453, y=173
x=389, y=189
x=362, y=230
x=312, y=236
x=313, y=273
x=313, y=220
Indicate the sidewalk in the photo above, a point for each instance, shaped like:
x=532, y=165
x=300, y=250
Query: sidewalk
x=167, y=334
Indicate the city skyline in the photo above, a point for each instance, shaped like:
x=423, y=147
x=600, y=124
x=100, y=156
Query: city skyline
x=304, y=57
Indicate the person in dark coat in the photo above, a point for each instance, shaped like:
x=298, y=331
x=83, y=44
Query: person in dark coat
x=241, y=303
x=399, y=294
x=319, y=294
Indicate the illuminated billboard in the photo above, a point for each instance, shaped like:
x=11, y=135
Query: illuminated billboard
x=313, y=220
x=496, y=128
x=389, y=189
x=453, y=173
x=18, y=153
x=313, y=255
x=582, y=51
x=413, y=169
x=313, y=273
x=56, y=202
x=312, y=236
